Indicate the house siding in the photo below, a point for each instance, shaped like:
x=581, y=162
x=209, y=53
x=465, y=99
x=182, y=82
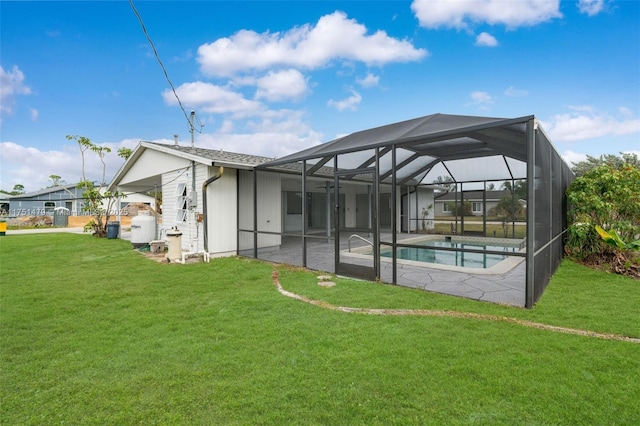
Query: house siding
x=153, y=163
x=34, y=205
x=269, y=213
x=423, y=197
x=222, y=212
x=176, y=185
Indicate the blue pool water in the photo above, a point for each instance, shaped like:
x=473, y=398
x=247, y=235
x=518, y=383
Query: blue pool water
x=452, y=258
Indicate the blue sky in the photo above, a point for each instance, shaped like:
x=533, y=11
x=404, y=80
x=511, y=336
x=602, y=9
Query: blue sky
x=271, y=78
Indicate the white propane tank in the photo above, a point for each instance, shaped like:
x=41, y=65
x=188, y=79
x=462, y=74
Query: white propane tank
x=143, y=230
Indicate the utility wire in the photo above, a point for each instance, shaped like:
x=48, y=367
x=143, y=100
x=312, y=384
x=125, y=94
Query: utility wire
x=155, y=52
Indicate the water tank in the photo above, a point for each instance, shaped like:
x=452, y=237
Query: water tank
x=143, y=230
x=174, y=240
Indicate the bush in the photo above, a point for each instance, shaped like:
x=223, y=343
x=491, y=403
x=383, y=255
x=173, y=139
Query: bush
x=609, y=197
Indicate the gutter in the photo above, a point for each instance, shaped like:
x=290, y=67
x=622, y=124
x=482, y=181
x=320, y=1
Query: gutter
x=204, y=206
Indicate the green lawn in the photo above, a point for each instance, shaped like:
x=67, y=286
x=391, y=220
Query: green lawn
x=95, y=333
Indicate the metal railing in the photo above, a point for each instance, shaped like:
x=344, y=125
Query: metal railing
x=358, y=236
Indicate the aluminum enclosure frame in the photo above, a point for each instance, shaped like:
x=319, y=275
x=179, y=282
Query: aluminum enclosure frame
x=404, y=154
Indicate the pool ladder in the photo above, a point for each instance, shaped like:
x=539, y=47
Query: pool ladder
x=359, y=237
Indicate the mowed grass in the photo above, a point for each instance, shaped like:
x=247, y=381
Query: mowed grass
x=95, y=333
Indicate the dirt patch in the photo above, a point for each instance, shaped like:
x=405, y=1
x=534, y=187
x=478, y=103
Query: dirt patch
x=30, y=221
x=617, y=263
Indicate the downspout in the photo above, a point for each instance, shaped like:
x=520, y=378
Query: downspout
x=204, y=205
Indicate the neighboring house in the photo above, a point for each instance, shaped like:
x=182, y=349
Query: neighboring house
x=481, y=201
x=45, y=201
x=69, y=197
x=128, y=198
x=208, y=195
x=4, y=203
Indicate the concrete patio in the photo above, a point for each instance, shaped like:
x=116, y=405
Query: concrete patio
x=503, y=284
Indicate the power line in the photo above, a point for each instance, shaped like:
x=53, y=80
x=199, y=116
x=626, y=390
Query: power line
x=155, y=52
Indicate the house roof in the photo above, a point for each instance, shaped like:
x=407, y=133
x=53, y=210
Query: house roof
x=467, y=148
x=44, y=191
x=472, y=195
x=210, y=157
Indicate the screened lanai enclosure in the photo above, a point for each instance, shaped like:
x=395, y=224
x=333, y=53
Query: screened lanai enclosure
x=364, y=206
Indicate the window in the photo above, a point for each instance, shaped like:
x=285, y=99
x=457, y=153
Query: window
x=294, y=203
x=181, y=202
x=476, y=206
x=49, y=206
x=445, y=207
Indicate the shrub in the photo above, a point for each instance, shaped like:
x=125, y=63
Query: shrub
x=607, y=196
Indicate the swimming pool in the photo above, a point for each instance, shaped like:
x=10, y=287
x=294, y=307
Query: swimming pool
x=453, y=258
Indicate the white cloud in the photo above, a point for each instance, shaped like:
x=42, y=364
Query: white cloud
x=625, y=111
x=513, y=92
x=573, y=157
x=486, y=40
x=584, y=123
x=591, y=7
x=282, y=133
x=334, y=37
x=461, y=14
x=481, y=97
x=369, y=80
x=581, y=108
x=350, y=103
x=282, y=85
x=32, y=167
x=11, y=85
x=212, y=99
x=34, y=114
x=227, y=126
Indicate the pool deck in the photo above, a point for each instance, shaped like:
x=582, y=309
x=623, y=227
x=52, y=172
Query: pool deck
x=503, y=284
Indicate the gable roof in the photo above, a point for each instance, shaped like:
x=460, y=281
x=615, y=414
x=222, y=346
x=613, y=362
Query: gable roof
x=60, y=188
x=209, y=157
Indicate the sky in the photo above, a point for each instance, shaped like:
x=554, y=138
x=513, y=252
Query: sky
x=274, y=77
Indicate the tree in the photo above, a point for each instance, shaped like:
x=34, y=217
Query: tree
x=508, y=210
x=445, y=181
x=583, y=167
x=56, y=180
x=18, y=188
x=101, y=151
x=93, y=204
x=125, y=153
x=463, y=209
x=518, y=188
x=94, y=199
x=84, y=144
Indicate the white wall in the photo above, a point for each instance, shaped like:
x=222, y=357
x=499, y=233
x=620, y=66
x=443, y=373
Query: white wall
x=269, y=211
x=191, y=228
x=424, y=198
x=152, y=163
x=222, y=212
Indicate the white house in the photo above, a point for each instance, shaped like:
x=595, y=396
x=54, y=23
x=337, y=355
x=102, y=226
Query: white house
x=200, y=189
x=481, y=202
x=208, y=195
